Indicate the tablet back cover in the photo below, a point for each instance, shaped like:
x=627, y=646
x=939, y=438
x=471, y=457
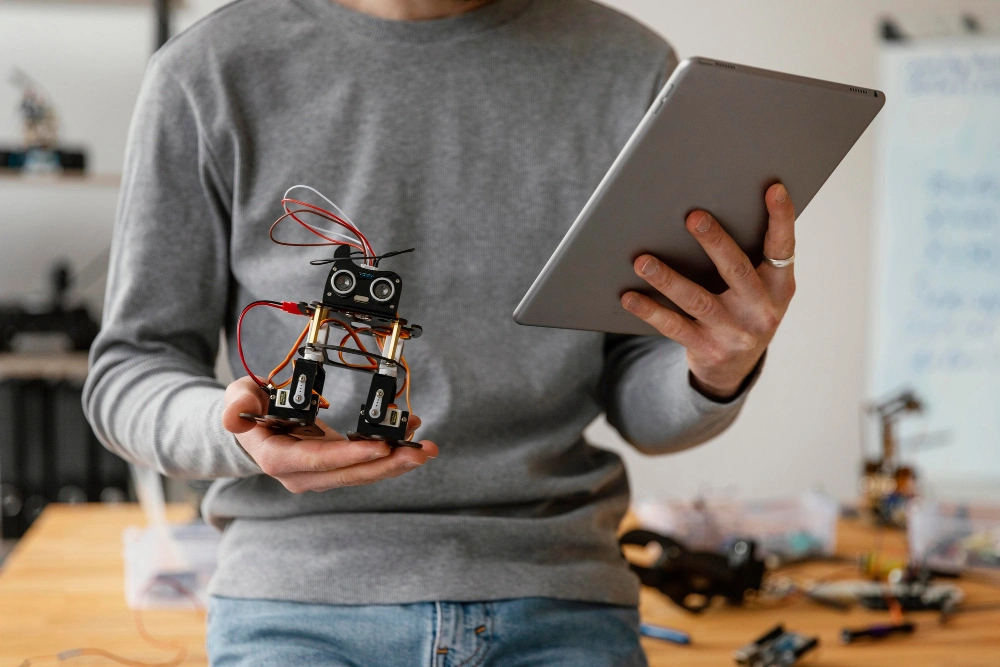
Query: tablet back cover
x=716, y=138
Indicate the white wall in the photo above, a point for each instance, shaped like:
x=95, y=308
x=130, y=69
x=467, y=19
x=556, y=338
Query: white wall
x=800, y=428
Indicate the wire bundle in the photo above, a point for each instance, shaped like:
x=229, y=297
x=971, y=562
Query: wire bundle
x=356, y=239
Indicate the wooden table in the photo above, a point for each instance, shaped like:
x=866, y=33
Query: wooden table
x=62, y=588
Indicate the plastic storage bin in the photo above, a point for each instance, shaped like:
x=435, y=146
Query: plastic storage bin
x=168, y=565
x=951, y=537
x=790, y=528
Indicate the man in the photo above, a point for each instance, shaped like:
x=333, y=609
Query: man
x=473, y=131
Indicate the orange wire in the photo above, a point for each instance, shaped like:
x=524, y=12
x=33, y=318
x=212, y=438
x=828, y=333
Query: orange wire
x=291, y=353
x=406, y=384
x=351, y=333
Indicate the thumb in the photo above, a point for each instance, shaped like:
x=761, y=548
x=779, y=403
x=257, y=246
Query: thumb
x=243, y=395
x=411, y=426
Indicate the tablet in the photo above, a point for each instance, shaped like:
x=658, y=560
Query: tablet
x=716, y=138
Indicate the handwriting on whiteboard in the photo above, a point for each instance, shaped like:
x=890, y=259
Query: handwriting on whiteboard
x=965, y=74
x=944, y=187
x=936, y=322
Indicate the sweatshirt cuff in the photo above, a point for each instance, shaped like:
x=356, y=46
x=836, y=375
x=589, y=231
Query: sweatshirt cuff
x=706, y=403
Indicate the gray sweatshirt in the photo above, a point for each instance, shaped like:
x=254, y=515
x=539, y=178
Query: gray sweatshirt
x=475, y=139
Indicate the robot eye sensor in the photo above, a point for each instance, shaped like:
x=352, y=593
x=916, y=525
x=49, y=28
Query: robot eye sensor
x=378, y=289
x=343, y=282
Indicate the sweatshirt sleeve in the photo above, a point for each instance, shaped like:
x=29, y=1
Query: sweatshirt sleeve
x=151, y=395
x=648, y=396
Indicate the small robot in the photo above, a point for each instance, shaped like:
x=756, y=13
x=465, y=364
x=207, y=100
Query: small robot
x=359, y=299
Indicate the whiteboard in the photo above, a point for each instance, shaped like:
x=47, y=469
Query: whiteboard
x=936, y=313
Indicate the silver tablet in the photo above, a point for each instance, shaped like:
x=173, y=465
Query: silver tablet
x=716, y=138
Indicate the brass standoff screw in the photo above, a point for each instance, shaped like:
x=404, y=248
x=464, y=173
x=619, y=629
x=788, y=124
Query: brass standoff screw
x=393, y=340
x=318, y=316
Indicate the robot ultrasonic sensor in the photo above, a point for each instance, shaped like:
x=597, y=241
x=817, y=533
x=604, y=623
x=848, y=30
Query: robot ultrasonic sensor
x=360, y=299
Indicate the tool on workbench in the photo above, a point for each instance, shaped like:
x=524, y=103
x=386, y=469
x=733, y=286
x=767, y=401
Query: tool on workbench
x=776, y=648
x=671, y=635
x=877, y=631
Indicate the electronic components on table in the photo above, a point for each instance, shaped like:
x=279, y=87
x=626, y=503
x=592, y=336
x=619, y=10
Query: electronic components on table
x=776, y=648
x=912, y=596
x=692, y=578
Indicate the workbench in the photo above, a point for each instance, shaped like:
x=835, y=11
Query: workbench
x=62, y=588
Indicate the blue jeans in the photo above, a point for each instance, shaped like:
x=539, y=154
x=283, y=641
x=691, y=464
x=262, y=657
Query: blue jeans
x=509, y=633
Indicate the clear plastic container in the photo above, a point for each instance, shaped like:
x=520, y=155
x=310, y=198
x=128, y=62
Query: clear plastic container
x=951, y=537
x=169, y=566
x=792, y=528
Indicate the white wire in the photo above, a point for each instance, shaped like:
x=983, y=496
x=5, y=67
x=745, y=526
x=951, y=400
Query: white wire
x=335, y=209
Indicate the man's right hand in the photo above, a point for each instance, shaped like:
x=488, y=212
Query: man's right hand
x=315, y=464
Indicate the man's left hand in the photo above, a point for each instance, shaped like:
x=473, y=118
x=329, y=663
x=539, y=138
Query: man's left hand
x=729, y=332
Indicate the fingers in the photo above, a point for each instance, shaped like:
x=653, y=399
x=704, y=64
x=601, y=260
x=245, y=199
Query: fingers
x=672, y=325
x=733, y=264
x=278, y=457
x=779, y=243
x=401, y=461
x=243, y=395
x=695, y=300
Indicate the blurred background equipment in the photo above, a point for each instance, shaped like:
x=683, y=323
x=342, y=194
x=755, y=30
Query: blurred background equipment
x=48, y=452
x=954, y=537
x=886, y=484
x=56, y=326
x=693, y=578
x=41, y=152
x=784, y=529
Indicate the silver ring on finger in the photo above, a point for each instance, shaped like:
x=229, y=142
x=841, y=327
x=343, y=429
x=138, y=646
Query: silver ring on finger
x=780, y=263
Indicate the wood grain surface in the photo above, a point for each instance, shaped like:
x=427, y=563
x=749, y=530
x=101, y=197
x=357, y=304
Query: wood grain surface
x=62, y=588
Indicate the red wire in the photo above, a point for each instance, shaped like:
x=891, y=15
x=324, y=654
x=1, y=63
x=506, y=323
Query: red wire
x=333, y=218
x=239, y=338
x=291, y=214
x=323, y=213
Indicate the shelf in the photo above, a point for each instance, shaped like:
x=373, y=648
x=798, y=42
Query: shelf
x=86, y=3
x=48, y=180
